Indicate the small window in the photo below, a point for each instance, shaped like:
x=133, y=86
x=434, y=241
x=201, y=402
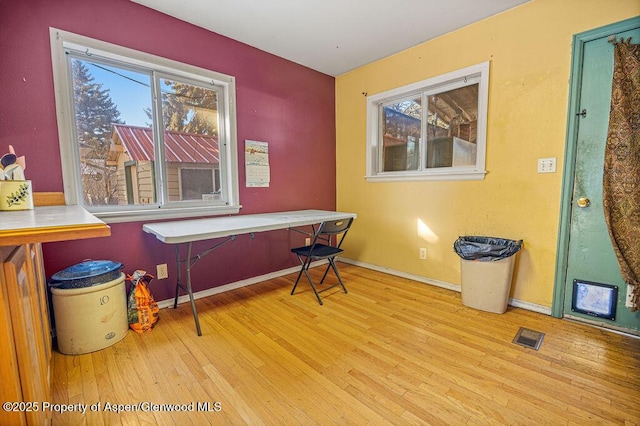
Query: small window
x=431, y=130
x=143, y=137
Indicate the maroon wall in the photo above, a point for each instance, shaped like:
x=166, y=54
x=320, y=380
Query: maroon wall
x=285, y=104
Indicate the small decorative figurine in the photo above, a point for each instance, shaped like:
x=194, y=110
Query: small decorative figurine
x=15, y=190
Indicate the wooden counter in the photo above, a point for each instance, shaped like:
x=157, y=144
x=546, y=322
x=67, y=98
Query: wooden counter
x=25, y=332
x=49, y=224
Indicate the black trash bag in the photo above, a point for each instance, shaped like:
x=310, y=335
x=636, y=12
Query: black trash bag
x=485, y=249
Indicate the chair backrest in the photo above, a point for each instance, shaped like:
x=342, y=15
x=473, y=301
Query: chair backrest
x=334, y=227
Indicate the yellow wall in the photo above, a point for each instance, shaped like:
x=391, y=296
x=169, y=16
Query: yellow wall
x=530, y=52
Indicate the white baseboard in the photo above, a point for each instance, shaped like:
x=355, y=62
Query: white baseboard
x=546, y=310
x=168, y=303
x=455, y=287
x=401, y=274
x=255, y=280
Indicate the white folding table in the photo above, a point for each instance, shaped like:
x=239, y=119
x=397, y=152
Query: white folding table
x=228, y=227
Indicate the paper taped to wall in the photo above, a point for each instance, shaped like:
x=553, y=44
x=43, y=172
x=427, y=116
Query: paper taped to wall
x=256, y=154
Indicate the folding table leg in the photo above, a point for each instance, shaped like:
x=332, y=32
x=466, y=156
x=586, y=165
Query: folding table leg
x=179, y=274
x=188, y=264
x=190, y=291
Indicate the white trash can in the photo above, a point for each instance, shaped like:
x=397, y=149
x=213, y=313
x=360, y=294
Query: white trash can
x=88, y=319
x=486, y=285
x=486, y=269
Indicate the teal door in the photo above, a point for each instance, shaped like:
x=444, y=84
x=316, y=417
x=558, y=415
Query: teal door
x=588, y=275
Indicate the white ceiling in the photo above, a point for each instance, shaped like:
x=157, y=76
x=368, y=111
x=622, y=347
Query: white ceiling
x=331, y=36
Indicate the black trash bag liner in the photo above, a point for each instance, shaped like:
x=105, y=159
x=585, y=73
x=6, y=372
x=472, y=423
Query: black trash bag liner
x=485, y=249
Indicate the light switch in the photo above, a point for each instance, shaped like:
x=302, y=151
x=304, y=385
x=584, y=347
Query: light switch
x=547, y=165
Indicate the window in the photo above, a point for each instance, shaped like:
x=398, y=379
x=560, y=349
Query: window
x=434, y=129
x=143, y=137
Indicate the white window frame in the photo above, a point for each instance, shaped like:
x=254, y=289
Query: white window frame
x=476, y=73
x=63, y=40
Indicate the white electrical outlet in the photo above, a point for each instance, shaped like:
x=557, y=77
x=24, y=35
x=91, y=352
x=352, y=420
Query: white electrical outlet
x=162, y=272
x=423, y=253
x=627, y=302
x=307, y=241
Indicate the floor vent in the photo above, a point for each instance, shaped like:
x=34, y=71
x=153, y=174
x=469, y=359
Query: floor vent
x=528, y=338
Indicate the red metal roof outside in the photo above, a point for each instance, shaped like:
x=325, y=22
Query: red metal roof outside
x=180, y=147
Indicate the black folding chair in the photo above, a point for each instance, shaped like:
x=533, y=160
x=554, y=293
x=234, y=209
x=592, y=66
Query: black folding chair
x=321, y=248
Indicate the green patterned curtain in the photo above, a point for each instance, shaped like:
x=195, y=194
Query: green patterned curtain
x=621, y=182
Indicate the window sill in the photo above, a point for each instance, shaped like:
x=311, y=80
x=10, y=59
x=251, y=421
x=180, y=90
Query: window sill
x=161, y=214
x=432, y=176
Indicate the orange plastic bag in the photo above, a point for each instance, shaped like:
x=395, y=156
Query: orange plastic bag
x=142, y=309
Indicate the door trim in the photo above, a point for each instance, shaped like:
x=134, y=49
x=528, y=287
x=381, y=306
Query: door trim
x=562, y=251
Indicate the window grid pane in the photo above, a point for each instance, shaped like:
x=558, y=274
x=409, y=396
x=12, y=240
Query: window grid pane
x=452, y=122
x=191, y=131
x=401, y=129
x=104, y=96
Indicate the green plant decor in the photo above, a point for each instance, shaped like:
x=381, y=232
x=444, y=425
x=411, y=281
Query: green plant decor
x=18, y=197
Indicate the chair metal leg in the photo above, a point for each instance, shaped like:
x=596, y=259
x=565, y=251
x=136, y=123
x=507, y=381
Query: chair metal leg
x=332, y=265
x=305, y=268
x=335, y=269
x=306, y=272
x=325, y=272
x=299, y=275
